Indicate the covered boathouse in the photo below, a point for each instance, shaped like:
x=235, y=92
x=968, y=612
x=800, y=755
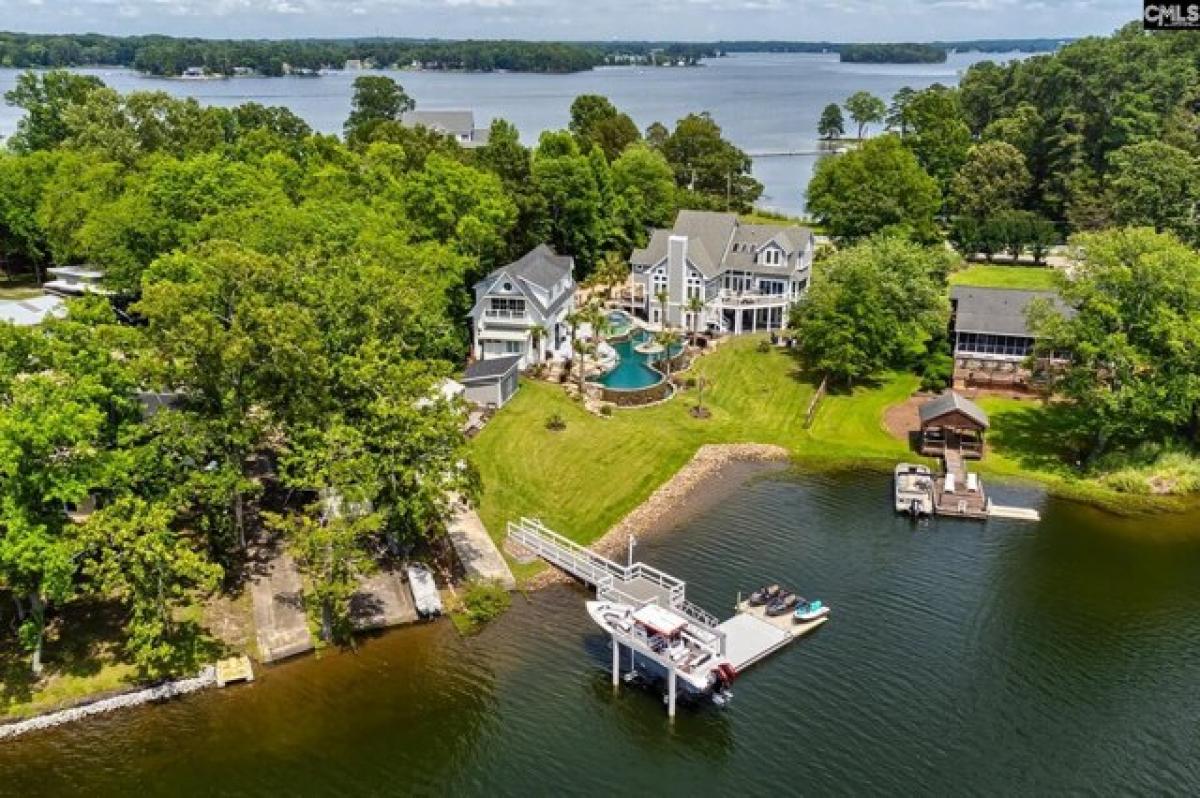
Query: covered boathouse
x=952, y=423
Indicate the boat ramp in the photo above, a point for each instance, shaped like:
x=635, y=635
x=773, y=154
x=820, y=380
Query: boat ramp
x=741, y=641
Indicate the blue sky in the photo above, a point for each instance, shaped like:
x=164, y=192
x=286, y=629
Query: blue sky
x=805, y=20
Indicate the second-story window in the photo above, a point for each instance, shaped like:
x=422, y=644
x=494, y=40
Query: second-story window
x=770, y=257
x=660, y=280
x=695, y=287
x=501, y=308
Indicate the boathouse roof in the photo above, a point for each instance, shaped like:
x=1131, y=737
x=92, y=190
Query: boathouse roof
x=950, y=404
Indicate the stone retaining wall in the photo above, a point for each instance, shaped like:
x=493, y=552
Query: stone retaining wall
x=162, y=692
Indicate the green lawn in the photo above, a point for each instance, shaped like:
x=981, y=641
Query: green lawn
x=991, y=275
x=583, y=479
x=18, y=288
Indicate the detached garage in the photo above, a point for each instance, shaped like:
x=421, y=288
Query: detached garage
x=492, y=382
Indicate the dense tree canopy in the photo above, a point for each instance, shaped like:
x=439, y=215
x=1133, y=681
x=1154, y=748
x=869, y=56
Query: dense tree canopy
x=877, y=186
x=1132, y=349
x=872, y=307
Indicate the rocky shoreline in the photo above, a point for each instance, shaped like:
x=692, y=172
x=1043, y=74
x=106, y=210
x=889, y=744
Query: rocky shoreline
x=658, y=511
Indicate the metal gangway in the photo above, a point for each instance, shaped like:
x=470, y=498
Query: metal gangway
x=636, y=584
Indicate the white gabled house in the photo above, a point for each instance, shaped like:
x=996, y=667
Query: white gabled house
x=746, y=275
x=521, y=309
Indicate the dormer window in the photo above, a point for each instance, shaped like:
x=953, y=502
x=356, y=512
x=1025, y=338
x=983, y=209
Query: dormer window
x=770, y=257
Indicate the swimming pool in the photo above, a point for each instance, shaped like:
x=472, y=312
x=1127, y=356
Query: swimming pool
x=633, y=371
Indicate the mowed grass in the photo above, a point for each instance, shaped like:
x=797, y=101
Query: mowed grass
x=584, y=479
x=22, y=287
x=991, y=275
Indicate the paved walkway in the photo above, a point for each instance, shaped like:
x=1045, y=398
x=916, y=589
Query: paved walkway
x=382, y=600
x=475, y=548
x=279, y=616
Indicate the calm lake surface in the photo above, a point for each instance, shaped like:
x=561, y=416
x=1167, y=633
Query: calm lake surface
x=961, y=658
x=765, y=102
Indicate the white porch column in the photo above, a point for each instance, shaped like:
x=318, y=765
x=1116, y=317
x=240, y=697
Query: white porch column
x=737, y=322
x=671, y=692
x=754, y=320
x=616, y=647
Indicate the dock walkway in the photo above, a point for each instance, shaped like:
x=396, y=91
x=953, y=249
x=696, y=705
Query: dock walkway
x=962, y=502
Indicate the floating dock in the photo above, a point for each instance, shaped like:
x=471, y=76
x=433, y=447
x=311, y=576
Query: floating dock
x=233, y=670
x=747, y=638
x=751, y=636
x=957, y=495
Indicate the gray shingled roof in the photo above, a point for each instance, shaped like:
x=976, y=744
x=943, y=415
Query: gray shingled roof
x=998, y=311
x=460, y=123
x=28, y=312
x=541, y=266
x=950, y=402
x=712, y=237
x=491, y=369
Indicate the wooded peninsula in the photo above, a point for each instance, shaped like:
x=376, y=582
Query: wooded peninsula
x=167, y=56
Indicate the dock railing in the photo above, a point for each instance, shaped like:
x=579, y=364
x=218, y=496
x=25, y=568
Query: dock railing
x=564, y=553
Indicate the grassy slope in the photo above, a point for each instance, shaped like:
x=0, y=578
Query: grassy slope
x=19, y=288
x=1025, y=442
x=584, y=479
x=987, y=275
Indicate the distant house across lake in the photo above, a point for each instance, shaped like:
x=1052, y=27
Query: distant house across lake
x=31, y=312
x=459, y=125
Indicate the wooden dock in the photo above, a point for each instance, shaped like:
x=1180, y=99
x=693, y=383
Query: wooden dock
x=234, y=669
x=962, y=503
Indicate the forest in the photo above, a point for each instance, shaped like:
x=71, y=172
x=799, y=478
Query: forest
x=285, y=304
x=892, y=54
x=169, y=57
x=1096, y=145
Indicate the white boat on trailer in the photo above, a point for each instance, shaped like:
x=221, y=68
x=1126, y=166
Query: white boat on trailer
x=913, y=488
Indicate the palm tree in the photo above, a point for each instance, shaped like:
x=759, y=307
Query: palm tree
x=662, y=297
x=695, y=306
x=574, y=319
x=700, y=396
x=613, y=270
x=667, y=339
x=537, y=334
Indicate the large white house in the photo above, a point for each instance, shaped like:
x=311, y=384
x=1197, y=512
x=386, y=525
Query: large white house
x=746, y=275
x=521, y=309
x=458, y=125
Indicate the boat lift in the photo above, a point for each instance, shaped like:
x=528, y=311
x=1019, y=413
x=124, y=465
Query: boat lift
x=743, y=640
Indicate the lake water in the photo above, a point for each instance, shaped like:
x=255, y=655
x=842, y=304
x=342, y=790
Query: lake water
x=765, y=102
x=961, y=658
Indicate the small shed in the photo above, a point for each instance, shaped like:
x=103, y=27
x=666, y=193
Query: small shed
x=492, y=382
x=952, y=422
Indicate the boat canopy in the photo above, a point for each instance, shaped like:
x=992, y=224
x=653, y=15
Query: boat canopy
x=660, y=620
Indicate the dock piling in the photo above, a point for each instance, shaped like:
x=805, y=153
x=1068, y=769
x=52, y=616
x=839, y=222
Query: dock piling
x=616, y=676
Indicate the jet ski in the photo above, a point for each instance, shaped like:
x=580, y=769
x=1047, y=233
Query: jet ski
x=781, y=603
x=807, y=611
x=764, y=595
